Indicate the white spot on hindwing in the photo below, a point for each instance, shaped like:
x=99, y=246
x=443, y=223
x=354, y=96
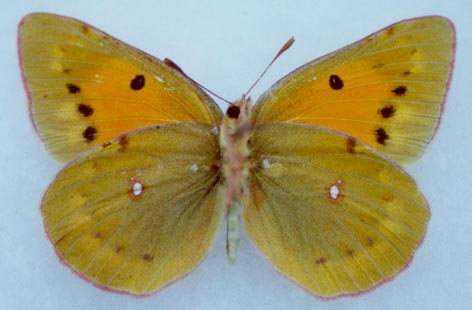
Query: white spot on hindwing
x=335, y=191
x=194, y=168
x=265, y=163
x=135, y=188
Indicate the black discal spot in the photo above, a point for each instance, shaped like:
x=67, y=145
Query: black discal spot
x=85, y=109
x=67, y=70
x=406, y=73
x=233, y=111
x=148, y=257
x=73, y=89
x=387, y=111
x=350, y=145
x=350, y=252
x=413, y=52
x=379, y=65
x=400, y=90
x=137, y=82
x=381, y=136
x=90, y=133
x=118, y=249
x=335, y=82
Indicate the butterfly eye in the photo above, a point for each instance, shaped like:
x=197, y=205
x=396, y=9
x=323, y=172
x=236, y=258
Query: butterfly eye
x=233, y=111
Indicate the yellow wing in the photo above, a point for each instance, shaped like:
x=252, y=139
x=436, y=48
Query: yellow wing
x=329, y=212
x=140, y=212
x=86, y=87
x=386, y=90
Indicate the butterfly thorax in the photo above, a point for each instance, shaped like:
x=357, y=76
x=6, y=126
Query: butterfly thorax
x=235, y=131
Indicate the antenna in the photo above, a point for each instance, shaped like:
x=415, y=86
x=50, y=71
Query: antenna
x=285, y=47
x=173, y=65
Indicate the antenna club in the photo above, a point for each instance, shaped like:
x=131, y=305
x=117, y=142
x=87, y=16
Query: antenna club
x=285, y=47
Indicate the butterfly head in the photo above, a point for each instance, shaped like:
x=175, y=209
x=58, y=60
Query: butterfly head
x=239, y=111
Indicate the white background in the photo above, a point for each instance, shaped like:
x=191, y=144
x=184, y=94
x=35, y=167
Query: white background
x=224, y=46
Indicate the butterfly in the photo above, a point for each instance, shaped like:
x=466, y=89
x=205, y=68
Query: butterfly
x=314, y=170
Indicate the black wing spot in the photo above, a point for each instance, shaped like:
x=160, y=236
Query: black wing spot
x=72, y=88
x=387, y=111
x=335, y=82
x=90, y=133
x=400, y=90
x=137, y=83
x=85, y=109
x=381, y=136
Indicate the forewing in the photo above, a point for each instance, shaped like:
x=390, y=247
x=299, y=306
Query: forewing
x=140, y=212
x=86, y=87
x=386, y=89
x=329, y=212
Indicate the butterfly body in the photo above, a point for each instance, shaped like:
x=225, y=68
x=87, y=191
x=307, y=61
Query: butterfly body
x=156, y=165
